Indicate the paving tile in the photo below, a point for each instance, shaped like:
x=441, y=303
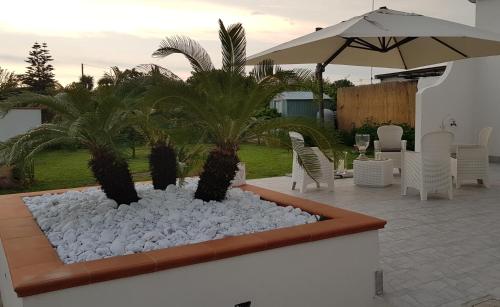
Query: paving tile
x=404, y=301
x=435, y=253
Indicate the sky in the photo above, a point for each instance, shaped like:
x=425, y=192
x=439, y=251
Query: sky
x=124, y=33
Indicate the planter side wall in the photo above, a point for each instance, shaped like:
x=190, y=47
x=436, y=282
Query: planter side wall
x=9, y=297
x=340, y=269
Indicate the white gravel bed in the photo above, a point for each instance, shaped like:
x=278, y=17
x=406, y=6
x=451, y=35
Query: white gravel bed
x=86, y=225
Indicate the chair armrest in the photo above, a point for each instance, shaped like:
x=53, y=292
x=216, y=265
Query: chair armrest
x=471, y=149
x=471, y=152
x=411, y=163
x=403, y=145
x=411, y=155
x=464, y=146
x=453, y=165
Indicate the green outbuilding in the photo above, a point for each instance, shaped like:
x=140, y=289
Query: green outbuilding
x=297, y=103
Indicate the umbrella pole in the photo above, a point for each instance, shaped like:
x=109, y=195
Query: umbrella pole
x=320, y=68
x=319, y=76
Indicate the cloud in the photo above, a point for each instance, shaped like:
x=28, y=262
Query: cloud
x=10, y=58
x=103, y=33
x=145, y=19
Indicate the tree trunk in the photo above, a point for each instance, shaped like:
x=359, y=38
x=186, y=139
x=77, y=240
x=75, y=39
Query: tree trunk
x=113, y=175
x=218, y=171
x=133, y=151
x=163, y=165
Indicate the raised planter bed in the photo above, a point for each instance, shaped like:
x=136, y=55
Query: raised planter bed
x=328, y=263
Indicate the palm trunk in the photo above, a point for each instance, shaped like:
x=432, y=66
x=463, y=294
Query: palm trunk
x=113, y=175
x=163, y=165
x=218, y=171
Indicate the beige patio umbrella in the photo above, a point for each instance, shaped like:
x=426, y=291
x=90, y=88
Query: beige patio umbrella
x=384, y=38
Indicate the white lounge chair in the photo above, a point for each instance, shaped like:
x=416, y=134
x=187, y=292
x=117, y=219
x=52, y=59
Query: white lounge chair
x=471, y=162
x=299, y=174
x=390, y=143
x=428, y=171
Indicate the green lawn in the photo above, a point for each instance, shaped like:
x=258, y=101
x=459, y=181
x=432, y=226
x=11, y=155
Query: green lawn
x=68, y=168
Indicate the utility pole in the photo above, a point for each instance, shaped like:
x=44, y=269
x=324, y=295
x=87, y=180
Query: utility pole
x=82, y=70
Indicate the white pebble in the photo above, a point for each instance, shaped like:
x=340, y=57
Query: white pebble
x=85, y=225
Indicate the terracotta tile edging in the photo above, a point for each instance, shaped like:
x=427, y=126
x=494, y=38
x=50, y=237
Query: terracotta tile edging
x=42, y=271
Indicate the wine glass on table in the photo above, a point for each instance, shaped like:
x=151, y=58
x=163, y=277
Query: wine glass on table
x=362, y=143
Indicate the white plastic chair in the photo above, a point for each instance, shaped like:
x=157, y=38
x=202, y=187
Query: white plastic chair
x=300, y=176
x=390, y=143
x=471, y=162
x=430, y=170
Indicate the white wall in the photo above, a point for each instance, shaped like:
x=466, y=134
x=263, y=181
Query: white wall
x=488, y=83
x=449, y=97
x=18, y=121
x=487, y=105
x=333, y=272
x=427, y=81
x=468, y=91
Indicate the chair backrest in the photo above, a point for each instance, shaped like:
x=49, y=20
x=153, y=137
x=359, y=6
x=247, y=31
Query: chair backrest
x=297, y=144
x=305, y=157
x=484, y=136
x=296, y=135
x=390, y=137
x=436, y=149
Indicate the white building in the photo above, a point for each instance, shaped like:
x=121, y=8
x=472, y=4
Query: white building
x=468, y=92
x=18, y=121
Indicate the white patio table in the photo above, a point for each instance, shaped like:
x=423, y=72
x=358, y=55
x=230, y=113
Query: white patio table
x=373, y=173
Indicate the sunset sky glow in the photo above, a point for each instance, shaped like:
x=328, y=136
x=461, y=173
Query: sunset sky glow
x=125, y=33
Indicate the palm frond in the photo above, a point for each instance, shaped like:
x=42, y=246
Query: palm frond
x=155, y=70
x=321, y=137
x=191, y=49
x=307, y=158
x=262, y=70
x=47, y=144
x=233, y=43
x=295, y=78
x=28, y=98
x=20, y=148
x=303, y=74
x=190, y=160
x=266, y=72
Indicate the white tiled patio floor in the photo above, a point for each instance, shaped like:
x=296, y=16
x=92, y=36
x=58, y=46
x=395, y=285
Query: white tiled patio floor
x=435, y=253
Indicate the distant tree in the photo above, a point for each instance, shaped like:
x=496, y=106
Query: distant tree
x=332, y=87
x=39, y=74
x=116, y=76
x=87, y=82
x=8, y=83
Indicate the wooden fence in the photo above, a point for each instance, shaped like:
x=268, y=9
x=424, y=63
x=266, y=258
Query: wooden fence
x=382, y=102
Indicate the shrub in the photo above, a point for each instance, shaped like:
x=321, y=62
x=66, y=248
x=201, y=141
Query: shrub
x=370, y=127
x=267, y=113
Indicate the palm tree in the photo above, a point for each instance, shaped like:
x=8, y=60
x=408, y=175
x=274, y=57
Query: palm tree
x=93, y=120
x=116, y=76
x=224, y=103
x=162, y=156
x=150, y=123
